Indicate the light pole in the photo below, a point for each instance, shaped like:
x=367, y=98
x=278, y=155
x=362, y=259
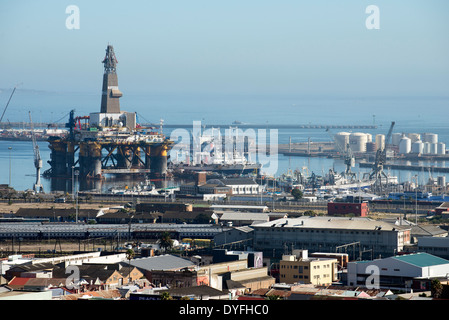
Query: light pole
x=416, y=199
x=9, y=148
x=76, y=201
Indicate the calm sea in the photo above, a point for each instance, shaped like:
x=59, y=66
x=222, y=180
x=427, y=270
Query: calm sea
x=412, y=115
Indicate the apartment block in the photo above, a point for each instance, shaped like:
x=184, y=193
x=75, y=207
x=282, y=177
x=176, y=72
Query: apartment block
x=300, y=268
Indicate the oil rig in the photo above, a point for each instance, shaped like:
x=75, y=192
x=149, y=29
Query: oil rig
x=110, y=141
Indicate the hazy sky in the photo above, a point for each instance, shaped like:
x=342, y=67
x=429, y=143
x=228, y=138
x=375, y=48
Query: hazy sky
x=245, y=46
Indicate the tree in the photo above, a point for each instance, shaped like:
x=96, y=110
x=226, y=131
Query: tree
x=165, y=241
x=436, y=288
x=297, y=194
x=166, y=296
x=129, y=255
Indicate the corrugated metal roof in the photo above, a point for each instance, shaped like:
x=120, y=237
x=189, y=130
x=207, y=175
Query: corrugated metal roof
x=163, y=262
x=421, y=259
x=355, y=223
x=18, y=281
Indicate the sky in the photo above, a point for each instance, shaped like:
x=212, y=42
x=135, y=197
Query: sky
x=246, y=47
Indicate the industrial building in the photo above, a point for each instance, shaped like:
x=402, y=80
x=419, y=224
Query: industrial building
x=438, y=246
x=345, y=208
x=110, y=141
x=361, y=237
x=111, y=231
x=410, y=271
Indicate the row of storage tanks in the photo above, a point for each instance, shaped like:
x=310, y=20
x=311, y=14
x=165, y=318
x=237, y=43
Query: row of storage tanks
x=426, y=143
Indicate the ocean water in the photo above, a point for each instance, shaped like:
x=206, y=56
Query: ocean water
x=411, y=115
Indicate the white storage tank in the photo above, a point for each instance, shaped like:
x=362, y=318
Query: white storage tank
x=426, y=148
x=342, y=139
x=441, y=148
x=357, y=141
x=380, y=141
x=396, y=138
x=369, y=137
x=418, y=147
x=405, y=145
x=414, y=136
x=433, y=148
x=430, y=137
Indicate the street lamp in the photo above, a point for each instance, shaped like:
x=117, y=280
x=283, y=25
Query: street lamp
x=416, y=199
x=76, y=201
x=9, y=148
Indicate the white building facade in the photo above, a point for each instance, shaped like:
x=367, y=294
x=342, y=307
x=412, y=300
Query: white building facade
x=331, y=234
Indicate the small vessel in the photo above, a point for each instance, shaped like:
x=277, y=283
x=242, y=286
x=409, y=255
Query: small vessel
x=146, y=187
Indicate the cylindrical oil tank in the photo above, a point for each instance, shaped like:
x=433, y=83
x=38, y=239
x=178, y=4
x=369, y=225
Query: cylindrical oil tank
x=430, y=137
x=357, y=141
x=405, y=145
x=414, y=136
x=433, y=148
x=426, y=147
x=342, y=139
x=369, y=137
x=441, y=148
x=380, y=141
x=396, y=138
x=417, y=147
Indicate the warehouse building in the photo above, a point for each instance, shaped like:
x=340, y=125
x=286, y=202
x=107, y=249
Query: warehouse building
x=330, y=234
x=410, y=271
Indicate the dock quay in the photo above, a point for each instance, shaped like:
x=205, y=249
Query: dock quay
x=407, y=167
x=269, y=126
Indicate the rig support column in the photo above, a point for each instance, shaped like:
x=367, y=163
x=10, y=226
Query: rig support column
x=58, y=157
x=147, y=157
x=90, y=159
x=70, y=157
x=159, y=160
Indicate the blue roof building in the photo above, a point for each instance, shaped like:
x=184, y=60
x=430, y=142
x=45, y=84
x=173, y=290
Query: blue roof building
x=410, y=271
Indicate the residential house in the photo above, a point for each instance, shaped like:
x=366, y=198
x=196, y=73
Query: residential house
x=38, y=270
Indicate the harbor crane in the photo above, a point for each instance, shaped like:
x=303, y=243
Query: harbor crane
x=37, y=160
x=377, y=172
x=349, y=159
x=7, y=104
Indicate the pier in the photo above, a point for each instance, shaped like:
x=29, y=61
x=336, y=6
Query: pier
x=407, y=167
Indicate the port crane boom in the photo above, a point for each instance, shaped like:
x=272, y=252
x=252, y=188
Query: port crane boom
x=7, y=104
x=377, y=171
x=37, y=160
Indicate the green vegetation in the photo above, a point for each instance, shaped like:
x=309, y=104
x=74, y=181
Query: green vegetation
x=297, y=194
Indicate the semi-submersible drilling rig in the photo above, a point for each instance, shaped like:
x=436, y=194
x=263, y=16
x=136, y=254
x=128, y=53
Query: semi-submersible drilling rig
x=109, y=141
